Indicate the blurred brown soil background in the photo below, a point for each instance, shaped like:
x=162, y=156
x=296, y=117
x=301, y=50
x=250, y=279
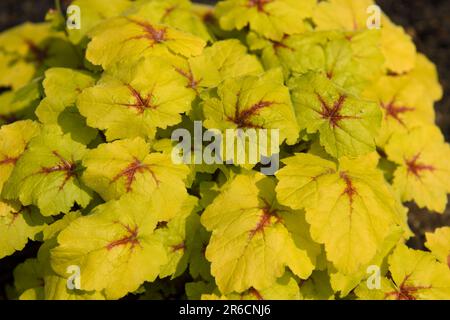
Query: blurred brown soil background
x=426, y=21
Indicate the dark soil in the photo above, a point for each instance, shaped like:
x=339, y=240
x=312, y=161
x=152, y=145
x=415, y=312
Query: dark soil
x=426, y=21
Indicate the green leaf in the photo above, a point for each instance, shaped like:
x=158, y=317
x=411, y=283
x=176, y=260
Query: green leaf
x=128, y=167
x=349, y=206
x=136, y=99
x=251, y=244
x=47, y=174
x=115, y=247
x=347, y=125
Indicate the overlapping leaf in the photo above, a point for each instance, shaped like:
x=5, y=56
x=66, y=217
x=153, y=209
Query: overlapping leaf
x=347, y=125
x=128, y=167
x=271, y=18
x=47, y=174
x=115, y=247
x=350, y=207
x=423, y=172
x=129, y=38
x=136, y=99
x=253, y=238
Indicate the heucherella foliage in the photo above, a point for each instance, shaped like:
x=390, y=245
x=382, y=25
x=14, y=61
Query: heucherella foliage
x=87, y=172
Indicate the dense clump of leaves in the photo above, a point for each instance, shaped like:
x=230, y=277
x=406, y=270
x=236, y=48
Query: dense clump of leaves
x=85, y=153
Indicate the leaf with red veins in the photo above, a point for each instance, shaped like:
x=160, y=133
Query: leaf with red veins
x=130, y=239
x=46, y=174
x=259, y=102
x=152, y=33
x=423, y=170
x=129, y=173
x=127, y=167
x=8, y=160
x=395, y=111
x=347, y=125
x=242, y=118
x=141, y=103
x=416, y=168
x=406, y=292
x=192, y=82
x=115, y=246
x=350, y=189
x=259, y=5
x=250, y=238
x=131, y=38
x=63, y=166
x=178, y=247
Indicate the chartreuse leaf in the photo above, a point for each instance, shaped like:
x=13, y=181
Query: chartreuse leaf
x=129, y=38
x=439, y=244
x=423, y=172
x=353, y=15
x=253, y=102
x=251, y=244
x=347, y=125
x=405, y=103
x=20, y=104
x=425, y=72
x=35, y=280
x=223, y=60
x=174, y=13
x=62, y=87
x=135, y=100
x=27, y=50
x=414, y=275
x=14, y=138
x=349, y=206
x=47, y=174
x=115, y=247
x=271, y=18
x=284, y=288
x=317, y=287
x=178, y=238
x=94, y=12
x=345, y=283
x=349, y=60
x=17, y=225
x=128, y=167
x=52, y=230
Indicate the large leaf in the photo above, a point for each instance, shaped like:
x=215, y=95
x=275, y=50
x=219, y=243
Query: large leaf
x=350, y=207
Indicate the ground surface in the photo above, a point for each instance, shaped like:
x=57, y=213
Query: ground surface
x=426, y=21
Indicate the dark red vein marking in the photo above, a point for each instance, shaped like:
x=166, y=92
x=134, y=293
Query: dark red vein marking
x=8, y=118
x=332, y=114
x=265, y=219
x=259, y=4
x=448, y=260
x=130, y=238
x=39, y=55
x=8, y=160
x=150, y=33
x=406, y=292
x=280, y=44
x=63, y=166
x=350, y=189
x=242, y=118
x=129, y=173
x=416, y=168
x=255, y=293
x=192, y=82
x=168, y=11
x=141, y=104
x=395, y=111
x=177, y=247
